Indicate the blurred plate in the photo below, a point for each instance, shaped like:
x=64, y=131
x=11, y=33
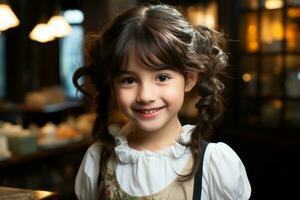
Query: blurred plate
x=52, y=143
x=57, y=142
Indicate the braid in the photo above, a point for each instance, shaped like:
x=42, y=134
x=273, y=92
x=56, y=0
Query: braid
x=97, y=73
x=209, y=87
x=100, y=129
x=100, y=132
x=212, y=60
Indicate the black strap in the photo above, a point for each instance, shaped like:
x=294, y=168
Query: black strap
x=198, y=175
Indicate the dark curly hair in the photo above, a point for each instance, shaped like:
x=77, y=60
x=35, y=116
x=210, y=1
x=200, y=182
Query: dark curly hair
x=175, y=44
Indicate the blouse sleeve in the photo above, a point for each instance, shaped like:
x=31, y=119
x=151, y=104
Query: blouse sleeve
x=86, y=179
x=224, y=174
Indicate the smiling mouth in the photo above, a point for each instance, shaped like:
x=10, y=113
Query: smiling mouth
x=148, y=111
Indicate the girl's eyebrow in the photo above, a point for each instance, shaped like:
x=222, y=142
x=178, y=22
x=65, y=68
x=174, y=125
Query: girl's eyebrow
x=128, y=72
x=122, y=72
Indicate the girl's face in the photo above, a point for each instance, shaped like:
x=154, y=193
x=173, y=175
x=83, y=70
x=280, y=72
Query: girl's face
x=151, y=99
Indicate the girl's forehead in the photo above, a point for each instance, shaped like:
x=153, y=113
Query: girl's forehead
x=145, y=60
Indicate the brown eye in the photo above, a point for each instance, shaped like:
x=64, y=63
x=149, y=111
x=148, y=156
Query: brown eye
x=127, y=81
x=163, y=77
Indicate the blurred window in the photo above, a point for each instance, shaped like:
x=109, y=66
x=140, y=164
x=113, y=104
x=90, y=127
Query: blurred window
x=71, y=52
x=269, y=70
x=2, y=67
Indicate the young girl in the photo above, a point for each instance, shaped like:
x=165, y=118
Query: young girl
x=146, y=61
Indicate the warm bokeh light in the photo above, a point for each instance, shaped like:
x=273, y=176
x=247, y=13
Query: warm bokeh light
x=292, y=35
x=58, y=26
x=273, y=4
x=293, y=12
x=277, y=30
x=252, y=38
x=7, y=18
x=272, y=27
x=251, y=34
x=211, y=15
x=196, y=14
x=41, y=33
x=247, y=77
x=203, y=15
x=277, y=104
x=42, y=194
x=292, y=29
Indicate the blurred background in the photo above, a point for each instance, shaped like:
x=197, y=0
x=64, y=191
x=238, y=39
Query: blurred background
x=45, y=124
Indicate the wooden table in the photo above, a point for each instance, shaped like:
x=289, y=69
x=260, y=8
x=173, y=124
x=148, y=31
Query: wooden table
x=9, y=193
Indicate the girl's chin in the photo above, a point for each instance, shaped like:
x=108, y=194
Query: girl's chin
x=148, y=127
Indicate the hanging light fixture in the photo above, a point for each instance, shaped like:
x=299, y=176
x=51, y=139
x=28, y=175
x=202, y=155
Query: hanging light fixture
x=41, y=33
x=58, y=26
x=7, y=17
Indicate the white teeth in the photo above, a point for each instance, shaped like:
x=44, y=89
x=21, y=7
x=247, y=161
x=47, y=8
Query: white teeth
x=149, y=111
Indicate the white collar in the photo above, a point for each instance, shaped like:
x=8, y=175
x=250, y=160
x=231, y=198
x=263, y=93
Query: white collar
x=127, y=154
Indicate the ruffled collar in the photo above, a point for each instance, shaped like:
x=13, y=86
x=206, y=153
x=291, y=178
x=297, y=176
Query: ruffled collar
x=127, y=154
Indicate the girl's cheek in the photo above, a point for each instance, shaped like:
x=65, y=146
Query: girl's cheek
x=174, y=92
x=174, y=96
x=170, y=93
x=123, y=98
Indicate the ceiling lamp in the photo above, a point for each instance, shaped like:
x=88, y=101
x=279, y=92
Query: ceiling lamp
x=7, y=17
x=58, y=26
x=41, y=33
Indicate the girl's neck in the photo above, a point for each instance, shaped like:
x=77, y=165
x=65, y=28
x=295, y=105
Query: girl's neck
x=154, y=141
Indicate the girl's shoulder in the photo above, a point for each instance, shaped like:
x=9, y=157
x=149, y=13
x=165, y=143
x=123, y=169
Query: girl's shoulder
x=95, y=147
x=94, y=150
x=221, y=157
x=220, y=152
x=87, y=175
x=91, y=157
x=224, y=173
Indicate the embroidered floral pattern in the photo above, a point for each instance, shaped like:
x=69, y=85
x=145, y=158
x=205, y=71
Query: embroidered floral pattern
x=113, y=190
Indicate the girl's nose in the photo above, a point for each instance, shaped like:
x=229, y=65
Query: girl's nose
x=146, y=93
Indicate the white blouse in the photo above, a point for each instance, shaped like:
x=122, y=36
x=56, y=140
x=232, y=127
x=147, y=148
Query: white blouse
x=142, y=173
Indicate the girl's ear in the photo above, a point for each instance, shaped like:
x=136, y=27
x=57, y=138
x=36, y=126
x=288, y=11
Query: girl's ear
x=191, y=80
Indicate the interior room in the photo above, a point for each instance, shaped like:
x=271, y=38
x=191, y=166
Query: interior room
x=46, y=123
